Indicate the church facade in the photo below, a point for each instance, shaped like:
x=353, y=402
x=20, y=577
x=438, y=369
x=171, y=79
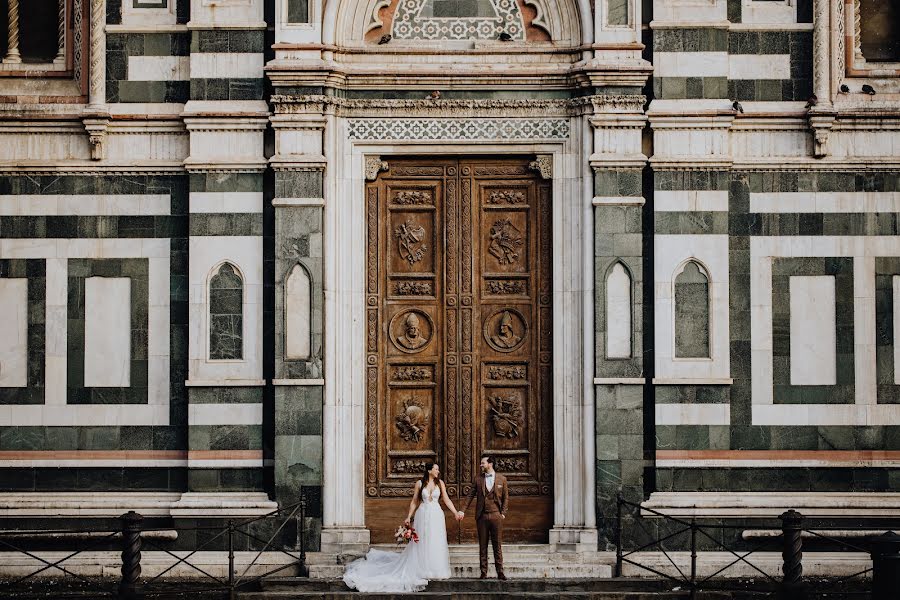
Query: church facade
x=251, y=247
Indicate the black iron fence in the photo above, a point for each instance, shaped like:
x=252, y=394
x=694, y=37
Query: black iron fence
x=132, y=537
x=792, y=529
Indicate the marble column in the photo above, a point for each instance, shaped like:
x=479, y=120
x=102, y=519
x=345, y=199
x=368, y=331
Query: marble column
x=12, y=54
x=97, y=89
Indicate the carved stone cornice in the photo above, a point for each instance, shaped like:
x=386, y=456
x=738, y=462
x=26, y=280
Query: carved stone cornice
x=78, y=168
x=300, y=105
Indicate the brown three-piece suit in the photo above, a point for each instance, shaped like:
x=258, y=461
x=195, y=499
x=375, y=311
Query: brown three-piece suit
x=490, y=510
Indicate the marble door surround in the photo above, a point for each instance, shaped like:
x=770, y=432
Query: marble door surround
x=561, y=147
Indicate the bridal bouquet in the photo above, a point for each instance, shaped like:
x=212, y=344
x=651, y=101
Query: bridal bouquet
x=406, y=534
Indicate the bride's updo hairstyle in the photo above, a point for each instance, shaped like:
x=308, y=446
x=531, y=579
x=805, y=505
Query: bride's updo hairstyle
x=426, y=476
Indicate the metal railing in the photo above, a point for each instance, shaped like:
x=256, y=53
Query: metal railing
x=135, y=538
x=885, y=551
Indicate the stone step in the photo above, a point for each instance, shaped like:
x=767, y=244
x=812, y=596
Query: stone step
x=490, y=589
x=520, y=561
x=486, y=585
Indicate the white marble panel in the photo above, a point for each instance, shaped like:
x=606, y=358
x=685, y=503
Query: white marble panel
x=759, y=66
x=688, y=12
x=690, y=200
x=691, y=64
x=896, y=301
x=618, y=313
x=224, y=65
x=813, y=338
x=863, y=249
x=297, y=314
x=14, y=332
x=225, y=414
x=107, y=332
x=207, y=253
x=693, y=414
x=159, y=68
x=55, y=412
x=769, y=12
x=30, y=205
x=226, y=202
x=670, y=252
x=825, y=202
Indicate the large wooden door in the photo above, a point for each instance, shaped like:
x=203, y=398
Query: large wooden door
x=458, y=343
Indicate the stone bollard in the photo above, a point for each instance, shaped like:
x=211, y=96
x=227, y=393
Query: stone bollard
x=792, y=587
x=131, y=554
x=886, y=566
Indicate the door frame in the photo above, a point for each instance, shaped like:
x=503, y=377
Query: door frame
x=453, y=179
x=344, y=248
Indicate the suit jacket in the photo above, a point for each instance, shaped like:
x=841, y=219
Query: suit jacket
x=499, y=495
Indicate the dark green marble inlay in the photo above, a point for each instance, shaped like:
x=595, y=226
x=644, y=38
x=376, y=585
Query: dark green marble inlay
x=692, y=312
x=226, y=315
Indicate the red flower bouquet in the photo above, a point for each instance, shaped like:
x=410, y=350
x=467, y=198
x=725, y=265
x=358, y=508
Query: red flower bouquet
x=405, y=534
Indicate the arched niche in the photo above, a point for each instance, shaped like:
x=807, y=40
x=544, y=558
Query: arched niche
x=692, y=311
x=226, y=313
x=618, y=312
x=565, y=22
x=297, y=313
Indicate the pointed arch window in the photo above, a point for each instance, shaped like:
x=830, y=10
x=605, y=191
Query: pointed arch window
x=226, y=314
x=692, y=311
x=618, y=312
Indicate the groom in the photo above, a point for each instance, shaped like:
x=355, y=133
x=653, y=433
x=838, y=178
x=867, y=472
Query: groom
x=490, y=511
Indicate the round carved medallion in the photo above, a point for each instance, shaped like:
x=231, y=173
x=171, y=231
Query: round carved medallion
x=411, y=331
x=505, y=330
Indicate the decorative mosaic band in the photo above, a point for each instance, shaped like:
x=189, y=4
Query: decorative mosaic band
x=458, y=129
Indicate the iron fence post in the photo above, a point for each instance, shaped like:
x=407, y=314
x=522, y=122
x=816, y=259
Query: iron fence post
x=131, y=555
x=792, y=555
x=618, y=572
x=304, y=570
x=230, y=559
x=886, y=566
x=693, y=558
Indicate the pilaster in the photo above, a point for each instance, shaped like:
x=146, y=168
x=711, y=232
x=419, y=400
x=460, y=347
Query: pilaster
x=226, y=118
x=299, y=166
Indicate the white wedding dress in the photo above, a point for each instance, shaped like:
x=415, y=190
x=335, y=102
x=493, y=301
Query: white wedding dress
x=410, y=570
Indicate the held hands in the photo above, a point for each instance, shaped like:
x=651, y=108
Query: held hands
x=459, y=515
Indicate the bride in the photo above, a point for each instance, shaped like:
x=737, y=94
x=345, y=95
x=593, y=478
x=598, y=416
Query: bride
x=429, y=558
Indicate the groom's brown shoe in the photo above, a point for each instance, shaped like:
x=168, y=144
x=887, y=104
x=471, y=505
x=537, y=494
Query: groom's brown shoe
x=483, y=576
x=501, y=576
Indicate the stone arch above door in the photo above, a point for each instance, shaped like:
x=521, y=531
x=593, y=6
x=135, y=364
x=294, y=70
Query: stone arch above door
x=364, y=22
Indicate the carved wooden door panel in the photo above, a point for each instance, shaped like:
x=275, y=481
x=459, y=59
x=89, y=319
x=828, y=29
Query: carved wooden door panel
x=458, y=337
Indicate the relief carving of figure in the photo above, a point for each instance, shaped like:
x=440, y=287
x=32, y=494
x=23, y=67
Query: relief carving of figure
x=506, y=241
x=412, y=336
x=411, y=422
x=506, y=415
x=410, y=244
x=506, y=337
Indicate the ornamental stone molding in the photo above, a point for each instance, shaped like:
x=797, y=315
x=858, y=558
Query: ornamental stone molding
x=374, y=166
x=543, y=165
x=307, y=104
x=382, y=130
x=567, y=22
